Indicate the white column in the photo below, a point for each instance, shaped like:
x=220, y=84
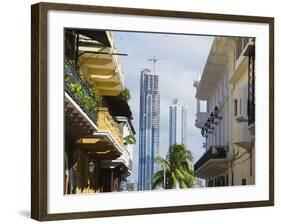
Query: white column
x=198, y=106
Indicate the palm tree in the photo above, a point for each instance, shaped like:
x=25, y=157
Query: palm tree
x=176, y=169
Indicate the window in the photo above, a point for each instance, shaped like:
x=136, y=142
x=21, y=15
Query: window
x=235, y=108
x=226, y=180
x=240, y=44
x=238, y=49
x=240, y=107
x=244, y=181
x=245, y=41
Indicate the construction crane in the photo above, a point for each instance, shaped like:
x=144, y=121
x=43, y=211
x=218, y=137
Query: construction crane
x=154, y=60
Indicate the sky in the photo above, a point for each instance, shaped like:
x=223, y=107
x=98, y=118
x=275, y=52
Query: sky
x=181, y=61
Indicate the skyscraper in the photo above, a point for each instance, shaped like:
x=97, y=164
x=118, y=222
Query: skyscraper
x=178, y=122
x=149, y=127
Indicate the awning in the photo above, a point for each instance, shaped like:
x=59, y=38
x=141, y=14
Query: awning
x=98, y=35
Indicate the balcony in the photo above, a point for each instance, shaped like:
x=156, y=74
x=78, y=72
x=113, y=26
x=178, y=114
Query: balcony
x=107, y=124
x=213, y=162
x=242, y=62
x=242, y=136
x=80, y=105
x=100, y=60
x=79, y=92
x=107, y=142
x=201, y=118
x=215, y=67
x=250, y=52
x=124, y=162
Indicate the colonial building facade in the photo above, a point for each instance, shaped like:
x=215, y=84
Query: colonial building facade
x=227, y=85
x=97, y=119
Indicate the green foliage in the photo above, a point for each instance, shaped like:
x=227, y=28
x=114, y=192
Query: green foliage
x=176, y=169
x=125, y=95
x=76, y=89
x=129, y=140
x=67, y=77
x=96, y=96
x=89, y=100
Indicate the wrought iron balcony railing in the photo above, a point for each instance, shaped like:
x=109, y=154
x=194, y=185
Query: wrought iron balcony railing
x=251, y=86
x=221, y=153
x=78, y=90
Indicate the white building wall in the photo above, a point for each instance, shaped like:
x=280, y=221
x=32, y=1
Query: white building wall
x=127, y=154
x=242, y=166
x=232, y=131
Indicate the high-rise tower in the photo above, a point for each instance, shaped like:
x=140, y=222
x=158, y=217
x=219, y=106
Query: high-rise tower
x=178, y=123
x=149, y=127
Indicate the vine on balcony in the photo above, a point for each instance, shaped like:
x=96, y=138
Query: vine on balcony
x=88, y=99
x=125, y=95
x=129, y=140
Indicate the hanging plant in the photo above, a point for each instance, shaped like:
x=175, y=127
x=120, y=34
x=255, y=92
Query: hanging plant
x=88, y=102
x=125, y=95
x=67, y=77
x=129, y=140
x=87, y=97
x=96, y=96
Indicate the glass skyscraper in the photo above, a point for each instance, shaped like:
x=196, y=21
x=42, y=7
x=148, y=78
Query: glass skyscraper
x=178, y=123
x=149, y=128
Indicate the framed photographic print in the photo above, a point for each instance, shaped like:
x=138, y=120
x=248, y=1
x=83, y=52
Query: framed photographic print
x=138, y=111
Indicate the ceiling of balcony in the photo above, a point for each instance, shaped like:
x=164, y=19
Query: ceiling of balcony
x=76, y=121
x=212, y=167
x=99, y=145
x=215, y=67
x=100, y=64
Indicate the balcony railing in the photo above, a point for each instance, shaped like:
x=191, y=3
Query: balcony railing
x=78, y=90
x=201, y=118
x=220, y=153
x=106, y=123
x=251, y=85
x=241, y=135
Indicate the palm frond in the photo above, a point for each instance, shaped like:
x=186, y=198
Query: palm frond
x=173, y=180
x=157, y=183
x=159, y=159
x=183, y=184
x=158, y=175
x=177, y=168
x=179, y=174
